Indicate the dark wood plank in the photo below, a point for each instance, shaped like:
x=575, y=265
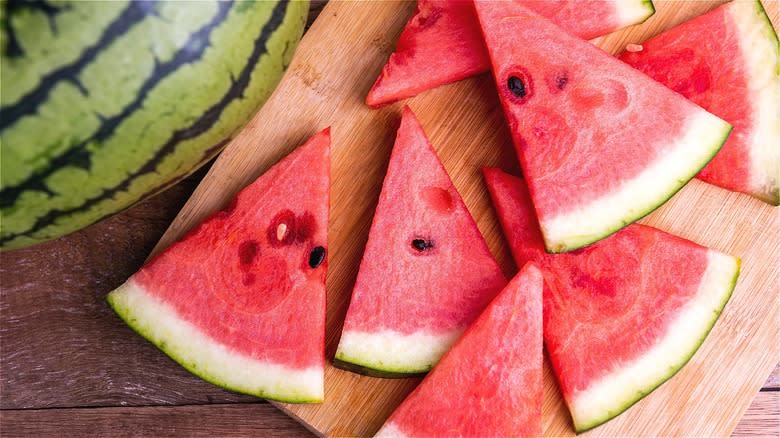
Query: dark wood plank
x=773, y=381
x=762, y=419
x=62, y=345
x=233, y=420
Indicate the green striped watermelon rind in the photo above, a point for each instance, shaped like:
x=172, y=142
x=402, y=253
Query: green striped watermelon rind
x=73, y=152
x=157, y=322
x=620, y=402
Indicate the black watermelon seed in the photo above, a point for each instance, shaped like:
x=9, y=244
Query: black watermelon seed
x=422, y=244
x=316, y=257
x=516, y=86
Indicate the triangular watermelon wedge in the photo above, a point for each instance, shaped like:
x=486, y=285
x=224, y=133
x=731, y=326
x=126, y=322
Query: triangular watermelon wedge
x=490, y=383
x=728, y=62
x=442, y=42
x=426, y=271
x=600, y=144
x=621, y=316
x=240, y=300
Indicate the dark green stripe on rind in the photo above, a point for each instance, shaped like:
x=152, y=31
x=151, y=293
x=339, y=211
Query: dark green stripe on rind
x=78, y=154
x=11, y=47
x=233, y=102
x=673, y=370
x=201, y=125
x=135, y=13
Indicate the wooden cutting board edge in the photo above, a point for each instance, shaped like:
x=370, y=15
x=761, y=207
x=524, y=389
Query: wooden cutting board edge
x=233, y=171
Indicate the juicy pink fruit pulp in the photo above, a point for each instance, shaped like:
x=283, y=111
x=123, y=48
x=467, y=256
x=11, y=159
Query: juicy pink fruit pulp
x=702, y=60
x=442, y=43
x=581, y=127
x=490, y=382
x=605, y=304
x=437, y=289
x=234, y=279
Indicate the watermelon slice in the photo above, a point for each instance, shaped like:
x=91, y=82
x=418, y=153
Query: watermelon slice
x=621, y=316
x=600, y=144
x=727, y=61
x=226, y=302
x=442, y=42
x=426, y=271
x=490, y=383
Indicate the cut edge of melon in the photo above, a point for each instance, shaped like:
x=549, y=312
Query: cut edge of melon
x=643, y=193
x=390, y=430
x=616, y=392
x=634, y=12
x=759, y=45
x=159, y=323
x=392, y=353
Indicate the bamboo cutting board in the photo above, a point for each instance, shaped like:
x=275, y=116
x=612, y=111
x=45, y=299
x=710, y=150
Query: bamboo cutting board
x=335, y=65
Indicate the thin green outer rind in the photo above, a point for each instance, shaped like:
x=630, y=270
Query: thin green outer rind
x=649, y=8
x=169, y=348
x=344, y=363
x=574, y=243
x=633, y=398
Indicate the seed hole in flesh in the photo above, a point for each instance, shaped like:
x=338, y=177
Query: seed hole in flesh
x=305, y=226
x=281, y=230
x=438, y=199
x=247, y=251
x=561, y=81
x=316, y=257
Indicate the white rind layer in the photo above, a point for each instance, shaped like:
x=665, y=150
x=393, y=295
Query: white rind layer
x=758, y=44
x=704, y=135
x=394, y=352
x=622, y=387
x=159, y=323
x=389, y=430
x=634, y=11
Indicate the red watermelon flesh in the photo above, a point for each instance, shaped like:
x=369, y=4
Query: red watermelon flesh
x=426, y=272
x=600, y=144
x=490, y=383
x=240, y=300
x=442, y=42
x=727, y=62
x=622, y=315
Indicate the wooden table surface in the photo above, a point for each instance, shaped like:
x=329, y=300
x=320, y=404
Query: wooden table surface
x=70, y=367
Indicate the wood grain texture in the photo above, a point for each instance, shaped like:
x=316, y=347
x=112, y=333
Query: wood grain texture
x=231, y=420
x=465, y=124
x=763, y=417
x=62, y=345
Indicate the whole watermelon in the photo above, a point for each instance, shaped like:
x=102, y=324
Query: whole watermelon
x=106, y=103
